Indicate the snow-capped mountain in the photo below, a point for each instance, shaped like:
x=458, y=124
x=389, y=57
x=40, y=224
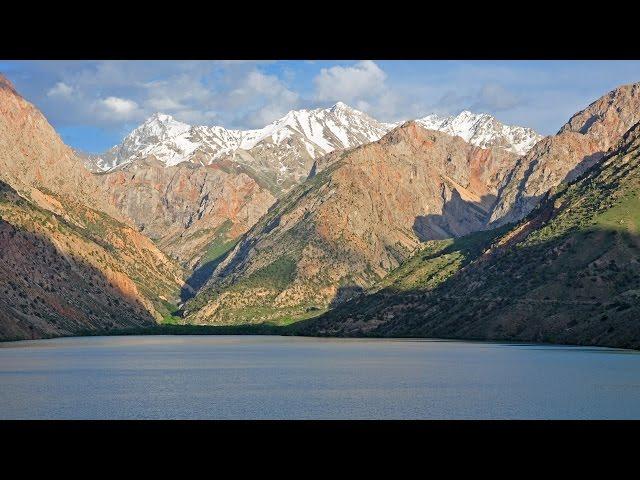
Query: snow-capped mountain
x=283, y=152
x=484, y=131
x=319, y=131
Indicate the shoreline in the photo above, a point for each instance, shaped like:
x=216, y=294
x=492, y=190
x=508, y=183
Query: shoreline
x=286, y=331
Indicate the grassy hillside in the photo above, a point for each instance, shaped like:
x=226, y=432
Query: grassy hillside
x=77, y=270
x=568, y=273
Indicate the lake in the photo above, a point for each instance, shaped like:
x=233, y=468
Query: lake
x=271, y=377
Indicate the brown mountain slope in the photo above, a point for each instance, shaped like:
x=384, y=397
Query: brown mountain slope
x=55, y=204
x=568, y=273
x=35, y=161
x=56, y=281
x=579, y=144
x=350, y=224
x=187, y=208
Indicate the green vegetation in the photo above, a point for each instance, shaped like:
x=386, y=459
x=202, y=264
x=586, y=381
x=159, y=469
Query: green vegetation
x=169, y=312
x=436, y=261
x=277, y=275
x=175, y=329
x=220, y=244
x=568, y=273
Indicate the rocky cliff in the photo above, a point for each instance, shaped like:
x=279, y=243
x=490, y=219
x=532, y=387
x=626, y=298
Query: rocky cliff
x=352, y=222
x=578, y=145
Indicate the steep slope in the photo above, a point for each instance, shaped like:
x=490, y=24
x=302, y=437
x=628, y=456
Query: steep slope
x=483, y=130
x=34, y=160
x=568, y=273
x=54, y=280
x=54, y=204
x=187, y=208
x=351, y=223
x=578, y=145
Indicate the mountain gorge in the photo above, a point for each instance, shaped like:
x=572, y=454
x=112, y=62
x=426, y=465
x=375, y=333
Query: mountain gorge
x=362, y=215
x=196, y=189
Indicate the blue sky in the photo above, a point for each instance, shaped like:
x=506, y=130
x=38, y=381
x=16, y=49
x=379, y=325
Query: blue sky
x=94, y=104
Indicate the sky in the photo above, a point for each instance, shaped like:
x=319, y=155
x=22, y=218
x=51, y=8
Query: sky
x=95, y=104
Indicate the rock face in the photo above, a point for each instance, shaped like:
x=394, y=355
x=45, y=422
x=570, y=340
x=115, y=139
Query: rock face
x=579, y=144
x=347, y=226
x=33, y=158
x=184, y=208
x=483, y=130
x=568, y=273
x=69, y=260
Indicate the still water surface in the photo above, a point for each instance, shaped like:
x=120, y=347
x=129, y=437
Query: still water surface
x=263, y=377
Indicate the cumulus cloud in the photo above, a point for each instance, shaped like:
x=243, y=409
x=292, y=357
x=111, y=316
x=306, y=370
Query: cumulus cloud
x=183, y=96
x=120, y=107
x=60, y=89
x=364, y=86
x=272, y=98
x=348, y=84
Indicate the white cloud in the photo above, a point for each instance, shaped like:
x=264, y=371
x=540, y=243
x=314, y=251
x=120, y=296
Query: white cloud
x=61, y=90
x=494, y=97
x=348, y=84
x=164, y=104
x=363, y=85
x=117, y=108
x=270, y=95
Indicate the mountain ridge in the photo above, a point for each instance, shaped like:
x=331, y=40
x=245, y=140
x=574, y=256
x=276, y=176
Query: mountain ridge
x=578, y=145
x=568, y=273
x=67, y=254
x=178, y=141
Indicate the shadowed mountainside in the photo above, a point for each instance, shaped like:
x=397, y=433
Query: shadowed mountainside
x=51, y=203
x=568, y=273
x=363, y=212
x=55, y=281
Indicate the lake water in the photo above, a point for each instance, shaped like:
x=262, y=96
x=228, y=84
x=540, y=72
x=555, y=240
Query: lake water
x=263, y=377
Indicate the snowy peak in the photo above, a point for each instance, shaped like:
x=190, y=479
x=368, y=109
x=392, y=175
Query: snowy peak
x=339, y=106
x=304, y=134
x=484, y=131
x=161, y=126
x=318, y=131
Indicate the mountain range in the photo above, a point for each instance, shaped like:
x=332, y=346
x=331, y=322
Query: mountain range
x=206, y=186
x=328, y=220
x=300, y=135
